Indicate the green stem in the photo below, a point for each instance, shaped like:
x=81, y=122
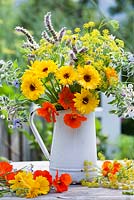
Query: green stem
x=55, y=92
x=51, y=96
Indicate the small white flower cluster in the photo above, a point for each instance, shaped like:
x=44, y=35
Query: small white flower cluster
x=128, y=94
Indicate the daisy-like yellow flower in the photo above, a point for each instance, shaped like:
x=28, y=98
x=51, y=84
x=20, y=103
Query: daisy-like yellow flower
x=38, y=187
x=33, y=191
x=31, y=87
x=85, y=102
x=88, y=77
x=28, y=73
x=44, y=185
x=66, y=75
x=43, y=68
x=22, y=180
x=111, y=75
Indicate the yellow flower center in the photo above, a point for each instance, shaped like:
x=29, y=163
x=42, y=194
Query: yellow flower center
x=85, y=100
x=45, y=69
x=32, y=87
x=66, y=75
x=87, y=78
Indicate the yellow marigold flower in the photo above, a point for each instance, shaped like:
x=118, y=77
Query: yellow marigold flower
x=31, y=87
x=88, y=77
x=66, y=74
x=28, y=73
x=43, y=68
x=33, y=191
x=22, y=180
x=43, y=184
x=77, y=30
x=85, y=102
x=111, y=75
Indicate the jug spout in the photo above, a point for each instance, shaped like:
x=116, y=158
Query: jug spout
x=37, y=135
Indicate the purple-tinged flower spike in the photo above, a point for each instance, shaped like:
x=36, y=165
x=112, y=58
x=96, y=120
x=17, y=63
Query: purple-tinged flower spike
x=72, y=55
x=83, y=50
x=16, y=83
x=49, y=27
x=31, y=58
x=61, y=33
x=28, y=35
x=45, y=36
x=75, y=49
x=29, y=45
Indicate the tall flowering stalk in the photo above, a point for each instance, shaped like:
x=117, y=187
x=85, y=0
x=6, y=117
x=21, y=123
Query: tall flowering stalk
x=68, y=70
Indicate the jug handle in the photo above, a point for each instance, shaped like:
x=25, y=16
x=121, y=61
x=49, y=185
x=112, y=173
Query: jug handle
x=37, y=135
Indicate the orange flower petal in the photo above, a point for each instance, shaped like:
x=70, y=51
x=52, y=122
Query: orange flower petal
x=5, y=168
x=43, y=173
x=48, y=111
x=61, y=183
x=66, y=179
x=66, y=98
x=74, y=120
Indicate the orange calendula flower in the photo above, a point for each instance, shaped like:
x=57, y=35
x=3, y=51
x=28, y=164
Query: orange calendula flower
x=48, y=111
x=109, y=167
x=61, y=183
x=111, y=75
x=5, y=168
x=74, y=120
x=66, y=98
x=43, y=173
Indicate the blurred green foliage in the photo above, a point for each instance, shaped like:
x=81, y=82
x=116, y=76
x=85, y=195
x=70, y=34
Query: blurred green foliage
x=126, y=9
x=8, y=21
x=125, y=146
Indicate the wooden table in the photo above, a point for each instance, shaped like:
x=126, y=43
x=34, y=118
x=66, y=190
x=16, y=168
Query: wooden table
x=75, y=192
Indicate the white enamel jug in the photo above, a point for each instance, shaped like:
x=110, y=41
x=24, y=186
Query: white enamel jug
x=70, y=146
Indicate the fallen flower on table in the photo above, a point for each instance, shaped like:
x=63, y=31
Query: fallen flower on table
x=110, y=167
x=29, y=184
x=61, y=183
x=112, y=174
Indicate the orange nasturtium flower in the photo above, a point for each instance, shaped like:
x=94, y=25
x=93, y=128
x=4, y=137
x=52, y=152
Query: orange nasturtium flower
x=43, y=173
x=48, y=111
x=61, y=183
x=5, y=168
x=74, y=120
x=11, y=175
x=66, y=98
x=110, y=167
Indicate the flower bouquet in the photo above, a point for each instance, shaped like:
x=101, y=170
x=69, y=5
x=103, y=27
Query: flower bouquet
x=68, y=70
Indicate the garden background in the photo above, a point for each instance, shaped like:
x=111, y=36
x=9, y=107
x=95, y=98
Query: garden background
x=20, y=145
